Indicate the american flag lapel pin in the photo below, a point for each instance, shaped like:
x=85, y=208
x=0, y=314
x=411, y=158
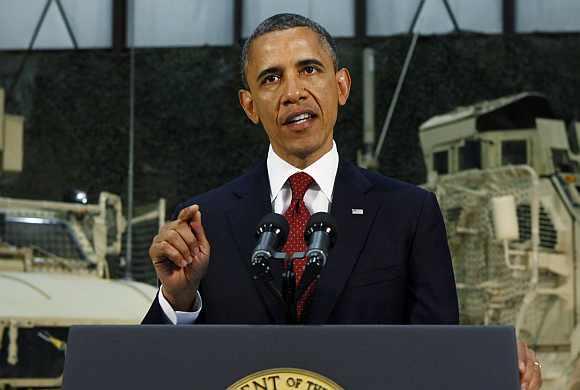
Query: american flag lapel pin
x=357, y=211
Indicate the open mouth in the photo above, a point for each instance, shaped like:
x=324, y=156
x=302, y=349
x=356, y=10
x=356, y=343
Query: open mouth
x=299, y=118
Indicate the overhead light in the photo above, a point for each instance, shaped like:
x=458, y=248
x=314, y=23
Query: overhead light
x=76, y=196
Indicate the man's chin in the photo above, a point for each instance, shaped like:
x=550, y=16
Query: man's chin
x=309, y=151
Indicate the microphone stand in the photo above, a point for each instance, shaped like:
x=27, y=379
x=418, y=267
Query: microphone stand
x=320, y=233
x=311, y=273
x=289, y=291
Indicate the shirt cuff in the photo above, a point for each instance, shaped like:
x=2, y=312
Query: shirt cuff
x=180, y=317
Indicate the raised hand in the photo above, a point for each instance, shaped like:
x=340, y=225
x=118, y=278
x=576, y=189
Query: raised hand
x=180, y=255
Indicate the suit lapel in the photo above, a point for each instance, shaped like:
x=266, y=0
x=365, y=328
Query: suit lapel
x=349, y=193
x=253, y=202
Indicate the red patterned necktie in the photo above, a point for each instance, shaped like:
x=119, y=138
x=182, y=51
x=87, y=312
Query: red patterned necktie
x=297, y=215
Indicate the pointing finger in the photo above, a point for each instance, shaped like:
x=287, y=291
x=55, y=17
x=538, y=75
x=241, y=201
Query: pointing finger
x=187, y=214
x=199, y=231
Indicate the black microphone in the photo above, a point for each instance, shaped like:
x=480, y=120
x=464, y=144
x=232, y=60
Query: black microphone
x=272, y=232
x=320, y=234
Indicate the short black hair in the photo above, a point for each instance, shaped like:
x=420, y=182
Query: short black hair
x=284, y=22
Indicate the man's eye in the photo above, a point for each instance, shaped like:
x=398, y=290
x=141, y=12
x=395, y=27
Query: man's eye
x=272, y=78
x=309, y=69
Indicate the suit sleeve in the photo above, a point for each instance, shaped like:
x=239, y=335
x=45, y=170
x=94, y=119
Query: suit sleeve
x=155, y=315
x=161, y=312
x=432, y=297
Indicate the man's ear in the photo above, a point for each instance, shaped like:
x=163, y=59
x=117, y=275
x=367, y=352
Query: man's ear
x=344, y=82
x=247, y=103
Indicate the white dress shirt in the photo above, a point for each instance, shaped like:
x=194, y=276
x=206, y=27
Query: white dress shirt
x=317, y=198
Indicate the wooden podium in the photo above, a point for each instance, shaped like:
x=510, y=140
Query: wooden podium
x=155, y=357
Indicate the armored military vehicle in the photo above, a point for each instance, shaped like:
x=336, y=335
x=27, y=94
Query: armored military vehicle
x=54, y=273
x=507, y=176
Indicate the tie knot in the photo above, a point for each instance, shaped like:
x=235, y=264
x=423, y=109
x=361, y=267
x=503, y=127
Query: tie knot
x=299, y=183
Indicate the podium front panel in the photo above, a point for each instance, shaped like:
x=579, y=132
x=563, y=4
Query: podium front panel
x=354, y=357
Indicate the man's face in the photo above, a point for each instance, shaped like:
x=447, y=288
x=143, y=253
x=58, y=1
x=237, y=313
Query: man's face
x=294, y=92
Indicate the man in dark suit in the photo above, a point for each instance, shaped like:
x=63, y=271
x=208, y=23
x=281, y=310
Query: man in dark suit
x=391, y=263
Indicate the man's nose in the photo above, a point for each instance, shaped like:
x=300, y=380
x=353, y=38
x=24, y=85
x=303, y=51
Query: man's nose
x=294, y=91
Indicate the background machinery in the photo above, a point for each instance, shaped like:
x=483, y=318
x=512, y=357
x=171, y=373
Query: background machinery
x=507, y=175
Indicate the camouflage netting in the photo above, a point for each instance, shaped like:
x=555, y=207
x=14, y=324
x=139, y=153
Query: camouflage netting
x=489, y=291
x=191, y=134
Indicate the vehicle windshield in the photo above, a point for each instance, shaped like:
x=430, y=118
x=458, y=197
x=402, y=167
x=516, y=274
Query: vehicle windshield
x=48, y=236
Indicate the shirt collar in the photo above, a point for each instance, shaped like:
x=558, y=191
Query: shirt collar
x=323, y=171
